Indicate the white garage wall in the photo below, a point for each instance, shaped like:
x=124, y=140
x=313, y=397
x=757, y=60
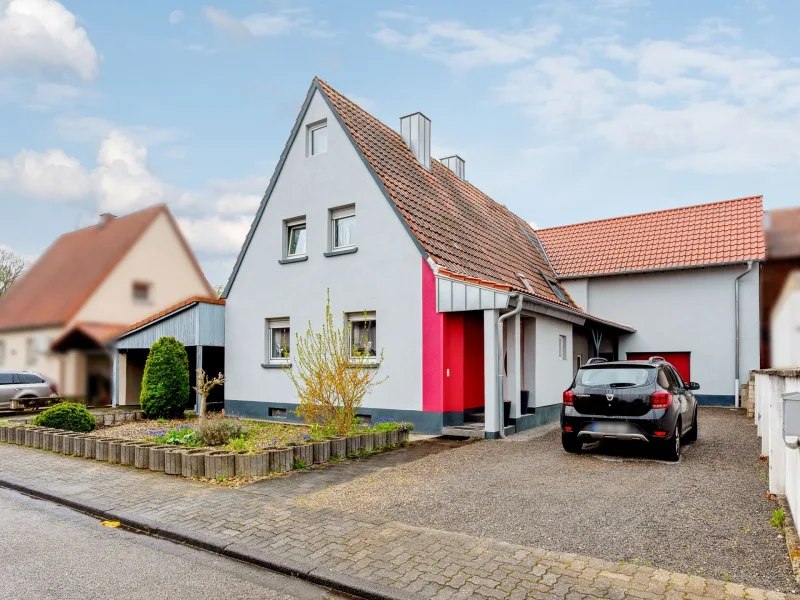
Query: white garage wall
x=553, y=375
x=689, y=310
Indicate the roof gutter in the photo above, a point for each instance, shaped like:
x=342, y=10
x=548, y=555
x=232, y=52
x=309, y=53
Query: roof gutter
x=658, y=269
x=736, y=311
x=499, y=361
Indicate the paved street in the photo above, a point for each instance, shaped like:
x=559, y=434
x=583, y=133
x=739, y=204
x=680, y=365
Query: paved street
x=49, y=551
x=352, y=544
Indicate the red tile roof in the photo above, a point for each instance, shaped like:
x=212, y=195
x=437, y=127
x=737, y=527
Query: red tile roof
x=782, y=233
x=722, y=232
x=171, y=309
x=52, y=291
x=459, y=227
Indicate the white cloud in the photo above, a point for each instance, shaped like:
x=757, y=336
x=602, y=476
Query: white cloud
x=215, y=234
x=44, y=34
x=50, y=175
x=95, y=129
x=239, y=196
x=122, y=179
x=460, y=46
x=705, y=107
x=265, y=24
x=175, y=17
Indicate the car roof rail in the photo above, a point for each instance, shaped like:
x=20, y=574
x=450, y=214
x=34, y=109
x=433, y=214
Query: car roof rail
x=656, y=359
x=594, y=361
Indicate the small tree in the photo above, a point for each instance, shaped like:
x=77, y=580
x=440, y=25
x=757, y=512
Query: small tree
x=204, y=387
x=165, y=384
x=330, y=376
x=11, y=267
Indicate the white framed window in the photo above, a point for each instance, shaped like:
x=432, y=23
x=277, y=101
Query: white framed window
x=141, y=291
x=562, y=347
x=363, y=336
x=295, y=238
x=278, y=341
x=343, y=228
x=318, y=138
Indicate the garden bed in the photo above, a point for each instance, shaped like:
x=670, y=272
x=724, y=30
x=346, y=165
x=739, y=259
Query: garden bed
x=259, y=450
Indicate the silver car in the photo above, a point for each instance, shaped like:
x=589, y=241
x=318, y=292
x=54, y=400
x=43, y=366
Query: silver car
x=21, y=389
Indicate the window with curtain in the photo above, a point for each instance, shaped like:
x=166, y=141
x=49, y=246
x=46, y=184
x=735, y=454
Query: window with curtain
x=363, y=335
x=278, y=340
x=343, y=228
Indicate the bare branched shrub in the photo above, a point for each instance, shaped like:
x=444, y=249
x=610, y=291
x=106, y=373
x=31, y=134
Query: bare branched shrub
x=331, y=375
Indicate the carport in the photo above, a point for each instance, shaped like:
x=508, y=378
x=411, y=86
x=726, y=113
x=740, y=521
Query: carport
x=198, y=323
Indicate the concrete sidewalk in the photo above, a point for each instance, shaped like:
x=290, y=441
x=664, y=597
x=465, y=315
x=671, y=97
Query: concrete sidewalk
x=369, y=556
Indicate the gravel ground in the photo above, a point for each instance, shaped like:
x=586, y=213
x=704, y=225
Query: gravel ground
x=707, y=514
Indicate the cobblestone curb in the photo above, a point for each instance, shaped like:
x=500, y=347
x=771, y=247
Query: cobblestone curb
x=274, y=562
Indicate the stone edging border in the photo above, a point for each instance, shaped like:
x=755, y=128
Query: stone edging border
x=274, y=562
x=790, y=535
x=196, y=462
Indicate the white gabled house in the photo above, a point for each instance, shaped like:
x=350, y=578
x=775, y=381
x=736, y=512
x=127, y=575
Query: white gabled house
x=457, y=289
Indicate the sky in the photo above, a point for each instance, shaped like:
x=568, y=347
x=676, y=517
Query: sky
x=565, y=111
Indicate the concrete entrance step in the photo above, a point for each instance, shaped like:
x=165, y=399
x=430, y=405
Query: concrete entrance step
x=470, y=430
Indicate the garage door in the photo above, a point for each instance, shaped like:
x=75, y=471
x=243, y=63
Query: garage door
x=679, y=360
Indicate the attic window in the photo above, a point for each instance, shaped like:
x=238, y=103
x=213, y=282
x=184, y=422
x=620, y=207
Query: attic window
x=318, y=138
x=141, y=291
x=555, y=288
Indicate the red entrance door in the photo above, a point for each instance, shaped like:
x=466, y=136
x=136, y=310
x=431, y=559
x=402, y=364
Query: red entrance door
x=679, y=360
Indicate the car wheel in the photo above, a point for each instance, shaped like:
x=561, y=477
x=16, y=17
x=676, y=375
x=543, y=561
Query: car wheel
x=571, y=443
x=691, y=436
x=672, y=447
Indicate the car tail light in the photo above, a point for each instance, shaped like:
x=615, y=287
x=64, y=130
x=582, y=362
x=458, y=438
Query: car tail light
x=660, y=433
x=53, y=389
x=568, y=428
x=660, y=400
x=569, y=398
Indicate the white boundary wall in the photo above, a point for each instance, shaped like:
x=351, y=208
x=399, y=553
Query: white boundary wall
x=784, y=462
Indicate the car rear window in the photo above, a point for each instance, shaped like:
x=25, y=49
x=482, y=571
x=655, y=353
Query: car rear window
x=616, y=376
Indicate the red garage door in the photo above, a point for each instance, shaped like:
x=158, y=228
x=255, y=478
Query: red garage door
x=679, y=360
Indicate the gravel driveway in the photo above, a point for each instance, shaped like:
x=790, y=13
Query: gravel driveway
x=706, y=515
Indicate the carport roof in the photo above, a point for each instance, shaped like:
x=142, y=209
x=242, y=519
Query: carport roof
x=725, y=232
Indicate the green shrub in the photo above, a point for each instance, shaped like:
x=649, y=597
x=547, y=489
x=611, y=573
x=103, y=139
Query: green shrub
x=67, y=415
x=165, y=384
x=216, y=432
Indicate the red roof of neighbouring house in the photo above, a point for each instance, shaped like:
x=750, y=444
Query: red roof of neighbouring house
x=55, y=287
x=172, y=309
x=782, y=233
x=718, y=233
x=459, y=227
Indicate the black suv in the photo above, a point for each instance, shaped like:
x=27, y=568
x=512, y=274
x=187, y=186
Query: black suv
x=645, y=401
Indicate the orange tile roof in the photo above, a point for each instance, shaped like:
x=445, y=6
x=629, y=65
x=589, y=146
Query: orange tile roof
x=55, y=287
x=171, y=309
x=721, y=232
x=783, y=233
x=459, y=227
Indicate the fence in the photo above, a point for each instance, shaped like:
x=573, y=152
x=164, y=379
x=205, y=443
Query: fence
x=784, y=462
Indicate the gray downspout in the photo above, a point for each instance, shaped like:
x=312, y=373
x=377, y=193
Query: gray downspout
x=736, y=310
x=499, y=355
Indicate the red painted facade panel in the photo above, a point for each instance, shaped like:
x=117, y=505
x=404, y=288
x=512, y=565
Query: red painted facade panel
x=680, y=360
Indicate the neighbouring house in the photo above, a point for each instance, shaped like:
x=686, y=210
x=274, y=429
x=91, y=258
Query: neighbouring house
x=675, y=275
x=419, y=261
x=60, y=317
x=782, y=234
x=785, y=325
